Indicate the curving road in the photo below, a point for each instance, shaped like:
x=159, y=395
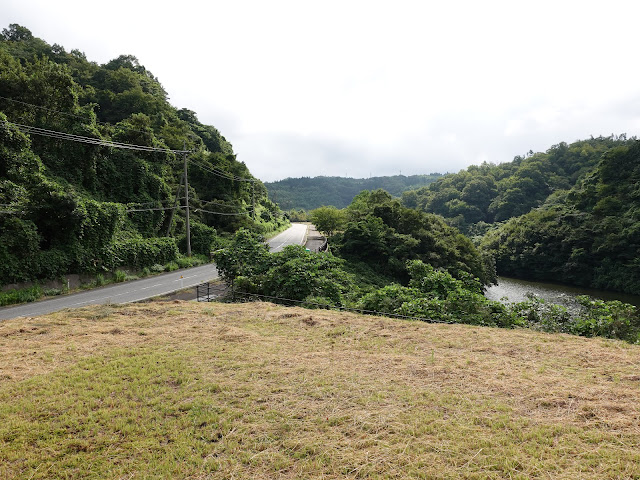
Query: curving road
x=294, y=235
x=143, y=289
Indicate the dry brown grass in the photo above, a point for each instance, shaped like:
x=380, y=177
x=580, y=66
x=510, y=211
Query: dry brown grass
x=293, y=393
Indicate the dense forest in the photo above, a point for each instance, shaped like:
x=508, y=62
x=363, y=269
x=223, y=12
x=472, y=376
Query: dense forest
x=309, y=193
x=570, y=214
x=488, y=193
x=588, y=235
x=91, y=164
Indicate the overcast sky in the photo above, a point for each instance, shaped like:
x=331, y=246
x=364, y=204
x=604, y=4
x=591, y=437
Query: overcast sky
x=359, y=88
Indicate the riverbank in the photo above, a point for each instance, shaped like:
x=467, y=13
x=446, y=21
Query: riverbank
x=516, y=290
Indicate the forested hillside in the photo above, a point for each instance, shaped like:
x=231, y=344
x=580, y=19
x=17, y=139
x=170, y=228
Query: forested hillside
x=488, y=193
x=91, y=163
x=589, y=235
x=570, y=214
x=309, y=193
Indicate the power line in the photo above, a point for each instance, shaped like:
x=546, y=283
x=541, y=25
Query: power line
x=46, y=109
x=136, y=204
x=215, y=202
x=153, y=209
x=221, y=173
x=214, y=171
x=80, y=117
x=219, y=213
x=90, y=140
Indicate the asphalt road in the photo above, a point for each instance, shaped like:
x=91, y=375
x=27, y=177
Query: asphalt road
x=143, y=289
x=294, y=235
x=127, y=292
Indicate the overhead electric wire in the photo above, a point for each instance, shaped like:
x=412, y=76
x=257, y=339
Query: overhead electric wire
x=221, y=173
x=214, y=202
x=220, y=213
x=136, y=204
x=80, y=117
x=47, y=109
x=90, y=140
x=153, y=209
x=32, y=130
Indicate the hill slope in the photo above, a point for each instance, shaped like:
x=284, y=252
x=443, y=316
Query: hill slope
x=309, y=193
x=260, y=391
x=91, y=163
x=490, y=193
x=588, y=236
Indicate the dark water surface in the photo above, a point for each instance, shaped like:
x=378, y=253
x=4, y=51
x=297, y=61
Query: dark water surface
x=515, y=290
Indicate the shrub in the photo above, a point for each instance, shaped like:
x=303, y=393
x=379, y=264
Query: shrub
x=171, y=266
x=611, y=319
x=202, y=239
x=23, y=295
x=186, y=262
x=141, y=252
x=119, y=276
x=52, y=292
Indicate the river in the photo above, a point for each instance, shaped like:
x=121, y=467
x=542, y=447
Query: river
x=515, y=290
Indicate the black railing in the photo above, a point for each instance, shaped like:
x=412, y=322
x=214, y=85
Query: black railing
x=210, y=292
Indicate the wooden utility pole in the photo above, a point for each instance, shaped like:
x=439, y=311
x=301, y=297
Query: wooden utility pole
x=186, y=203
x=253, y=201
x=175, y=205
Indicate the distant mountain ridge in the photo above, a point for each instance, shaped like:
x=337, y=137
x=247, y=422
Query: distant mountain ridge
x=308, y=193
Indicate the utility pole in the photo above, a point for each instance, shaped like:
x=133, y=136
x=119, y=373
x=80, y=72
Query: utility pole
x=186, y=202
x=253, y=201
x=175, y=204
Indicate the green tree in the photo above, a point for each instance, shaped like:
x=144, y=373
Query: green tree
x=246, y=255
x=297, y=275
x=327, y=220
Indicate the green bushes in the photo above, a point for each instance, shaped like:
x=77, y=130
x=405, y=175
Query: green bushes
x=119, y=276
x=202, y=239
x=293, y=273
x=611, y=319
x=194, y=261
x=12, y=297
x=436, y=295
x=141, y=252
x=592, y=318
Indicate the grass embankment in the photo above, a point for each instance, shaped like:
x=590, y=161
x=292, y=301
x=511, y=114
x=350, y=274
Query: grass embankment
x=186, y=390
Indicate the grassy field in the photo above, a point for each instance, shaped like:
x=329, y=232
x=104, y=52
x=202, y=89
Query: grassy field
x=187, y=390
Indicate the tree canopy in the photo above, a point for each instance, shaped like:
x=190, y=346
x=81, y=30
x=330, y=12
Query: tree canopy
x=310, y=193
x=588, y=235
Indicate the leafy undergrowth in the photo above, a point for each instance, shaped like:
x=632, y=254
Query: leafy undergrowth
x=187, y=390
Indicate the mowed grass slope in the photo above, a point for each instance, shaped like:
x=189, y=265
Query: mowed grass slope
x=187, y=390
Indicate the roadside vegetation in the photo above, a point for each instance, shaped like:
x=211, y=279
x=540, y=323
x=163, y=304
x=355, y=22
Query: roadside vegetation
x=187, y=390
x=37, y=291
x=392, y=260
